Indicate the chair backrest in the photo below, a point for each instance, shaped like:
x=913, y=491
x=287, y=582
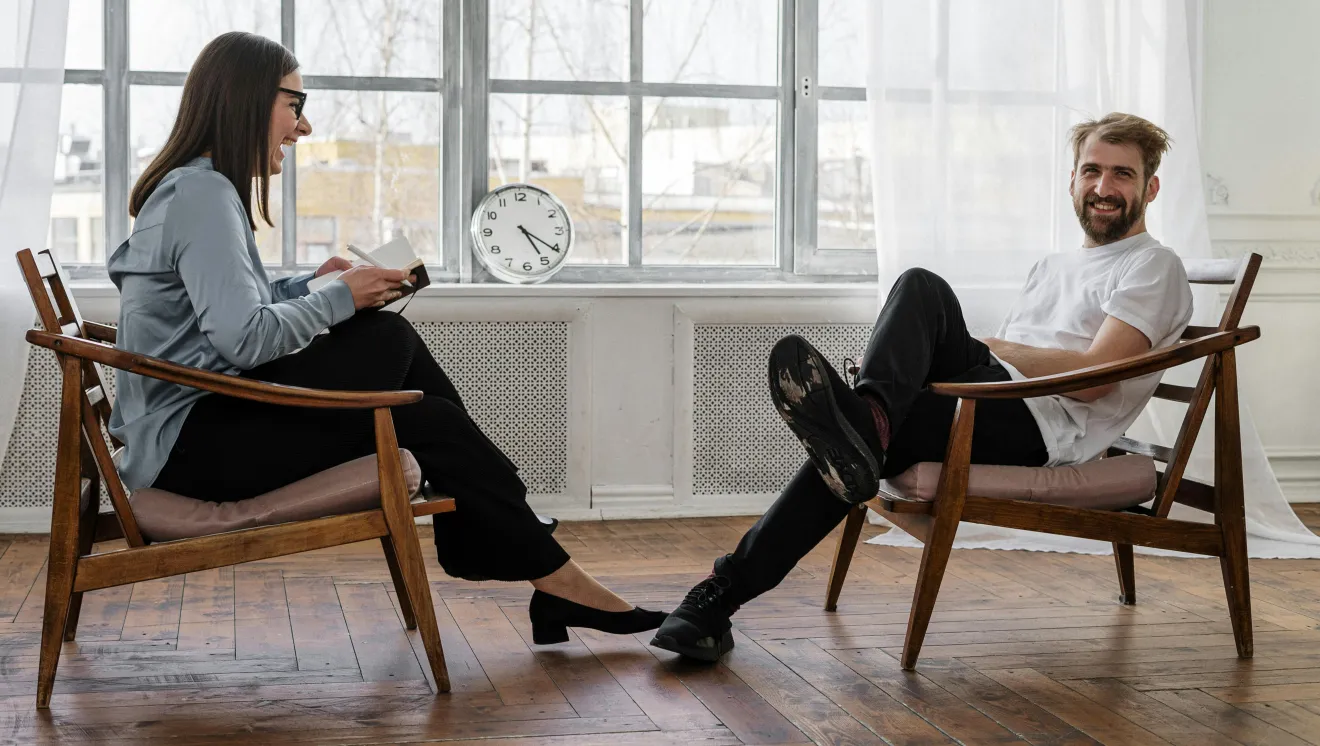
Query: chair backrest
x=1241, y=274
x=58, y=314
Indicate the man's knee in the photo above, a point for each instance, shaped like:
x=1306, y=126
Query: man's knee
x=920, y=280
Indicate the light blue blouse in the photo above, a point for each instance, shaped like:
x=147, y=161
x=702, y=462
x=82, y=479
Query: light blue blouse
x=193, y=291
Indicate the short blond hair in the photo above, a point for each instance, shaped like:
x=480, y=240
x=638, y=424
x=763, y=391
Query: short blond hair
x=1124, y=129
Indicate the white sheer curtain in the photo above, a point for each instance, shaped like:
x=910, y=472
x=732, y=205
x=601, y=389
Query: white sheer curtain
x=32, y=34
x=970, y=103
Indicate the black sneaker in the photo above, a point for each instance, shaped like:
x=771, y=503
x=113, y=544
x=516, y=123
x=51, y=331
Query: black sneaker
x=700, y=628
x=834, y=423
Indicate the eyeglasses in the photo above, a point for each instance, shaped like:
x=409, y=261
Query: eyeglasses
x=302, y=101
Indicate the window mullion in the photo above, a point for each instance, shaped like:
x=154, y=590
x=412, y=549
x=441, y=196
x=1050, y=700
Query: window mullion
x=474, y=105
x=803, y=90
x=633, y=203
x=115, y=121
x=289, y=176
x=786, y=192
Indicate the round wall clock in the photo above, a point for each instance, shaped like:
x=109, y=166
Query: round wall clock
x=521, y=233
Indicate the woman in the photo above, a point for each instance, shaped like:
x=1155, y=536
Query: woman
x=193, y=291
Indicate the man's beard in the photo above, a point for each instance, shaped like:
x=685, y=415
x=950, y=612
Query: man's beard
x=1110, y=229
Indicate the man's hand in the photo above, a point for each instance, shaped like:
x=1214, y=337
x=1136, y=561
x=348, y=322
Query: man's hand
x=1115, y=340
x=332, y=264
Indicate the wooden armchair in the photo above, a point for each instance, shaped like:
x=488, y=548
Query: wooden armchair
x=85, y=458
x=935, y=522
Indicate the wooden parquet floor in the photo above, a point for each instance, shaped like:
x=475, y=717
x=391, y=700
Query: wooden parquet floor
x=1024, y=647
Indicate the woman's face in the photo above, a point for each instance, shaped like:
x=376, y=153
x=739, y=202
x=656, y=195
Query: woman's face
x=286, y=126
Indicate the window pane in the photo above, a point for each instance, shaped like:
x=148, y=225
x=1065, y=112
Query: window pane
x=369, y=37
x=710, y=41
x=82, y=49
x=559, y=39
x=906, y=29
x=152, y=113
x=842, y=42
x=1001, y=46
x=168, y=34
x=708, y=181
x=77, y=196
x=576, y=147
x=844, y=208
x=370, y=172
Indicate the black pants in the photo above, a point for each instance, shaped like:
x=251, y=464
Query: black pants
x=919, y=338
x=232, y=449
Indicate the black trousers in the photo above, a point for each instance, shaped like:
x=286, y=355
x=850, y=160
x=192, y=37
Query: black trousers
x=232, y=449
x=919, y=338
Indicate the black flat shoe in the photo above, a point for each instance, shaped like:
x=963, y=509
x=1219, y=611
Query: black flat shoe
x=552, y=616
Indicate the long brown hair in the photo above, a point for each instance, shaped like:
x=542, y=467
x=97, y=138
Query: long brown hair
x=225, y=109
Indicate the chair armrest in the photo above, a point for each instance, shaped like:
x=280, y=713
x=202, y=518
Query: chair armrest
x=1101, y=375
x=101, y=332
x=218, y=383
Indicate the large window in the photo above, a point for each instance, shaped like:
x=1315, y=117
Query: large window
x=690, y=139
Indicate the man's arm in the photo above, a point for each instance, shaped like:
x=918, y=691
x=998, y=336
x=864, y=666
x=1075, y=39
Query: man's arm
x=1116, y=340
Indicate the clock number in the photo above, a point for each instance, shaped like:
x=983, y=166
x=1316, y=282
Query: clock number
x=527, y=266
x=503, y=203
x=553, y=213
x=494, y=249
x=559, y=230
x=486, y=232
x=545, y=261
x=491, y=215
x=509, y=262
x=520, y=197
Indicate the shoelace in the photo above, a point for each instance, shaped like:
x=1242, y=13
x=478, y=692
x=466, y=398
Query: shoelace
x=708, y=592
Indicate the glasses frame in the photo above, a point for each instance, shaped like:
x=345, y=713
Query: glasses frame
x=302, y=100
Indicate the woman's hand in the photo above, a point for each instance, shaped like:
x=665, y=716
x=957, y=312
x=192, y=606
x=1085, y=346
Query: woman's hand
x=373, y=286
x=332, y=264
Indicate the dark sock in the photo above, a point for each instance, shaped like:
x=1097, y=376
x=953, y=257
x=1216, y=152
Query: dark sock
x=880, y=417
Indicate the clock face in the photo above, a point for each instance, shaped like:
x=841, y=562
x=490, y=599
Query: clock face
x=521, y=233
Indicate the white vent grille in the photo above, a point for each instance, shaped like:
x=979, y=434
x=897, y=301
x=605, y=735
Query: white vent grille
x=513, y=377
x=739, y=444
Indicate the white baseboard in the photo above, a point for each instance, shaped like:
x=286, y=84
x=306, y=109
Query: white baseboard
x=25, y=520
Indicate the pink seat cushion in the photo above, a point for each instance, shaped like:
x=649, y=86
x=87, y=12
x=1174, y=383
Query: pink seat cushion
x=348, y=488
x=1106, y=484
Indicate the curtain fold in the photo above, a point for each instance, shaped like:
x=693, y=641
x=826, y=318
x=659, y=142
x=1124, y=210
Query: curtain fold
x=970, y=105
x=32, y=39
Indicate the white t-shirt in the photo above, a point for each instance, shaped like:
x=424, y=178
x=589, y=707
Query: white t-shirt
x=1066, y=299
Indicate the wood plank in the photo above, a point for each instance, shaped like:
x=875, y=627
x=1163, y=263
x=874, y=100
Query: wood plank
x=1237, y=724
x=320, y=634
x=154, y=610
x=1008, y=708
x=655, y=689
x=511, y=667
x=1095, y=720
x=379, y=639
x=582, y=680
x=1148, y=713
x=954, y=716
x=19, y=567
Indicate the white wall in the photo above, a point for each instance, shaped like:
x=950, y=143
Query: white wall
x=1261, y=140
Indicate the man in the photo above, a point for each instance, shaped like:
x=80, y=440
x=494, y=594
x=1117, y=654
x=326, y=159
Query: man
x=1120, y=295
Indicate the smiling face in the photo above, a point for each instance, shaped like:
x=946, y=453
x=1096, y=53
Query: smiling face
x=1110, y=191
x=286, y=126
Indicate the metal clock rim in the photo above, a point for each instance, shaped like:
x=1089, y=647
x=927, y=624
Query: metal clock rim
x=474, y=232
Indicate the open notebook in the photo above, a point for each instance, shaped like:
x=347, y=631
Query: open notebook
x=396, y=254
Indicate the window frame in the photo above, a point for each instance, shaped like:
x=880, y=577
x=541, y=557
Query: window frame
x=465, y=87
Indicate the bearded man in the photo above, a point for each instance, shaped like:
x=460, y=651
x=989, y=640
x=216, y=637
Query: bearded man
x=1119, y=295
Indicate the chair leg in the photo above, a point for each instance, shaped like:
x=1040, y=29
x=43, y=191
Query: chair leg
x=934, y=559
x=407, y=550
x=1127, y=577
x=86, y=538
x=852, y=529
x=405, y=605
x=1229, y=509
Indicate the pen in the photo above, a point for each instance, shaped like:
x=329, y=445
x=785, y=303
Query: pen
x=369, y=259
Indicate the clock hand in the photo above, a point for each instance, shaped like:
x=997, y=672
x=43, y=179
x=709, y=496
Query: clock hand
x=554, y=248
x=529, y=238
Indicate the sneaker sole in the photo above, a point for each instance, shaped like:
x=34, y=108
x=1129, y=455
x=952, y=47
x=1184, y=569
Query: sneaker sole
x=709, y=655
x=803, y=397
